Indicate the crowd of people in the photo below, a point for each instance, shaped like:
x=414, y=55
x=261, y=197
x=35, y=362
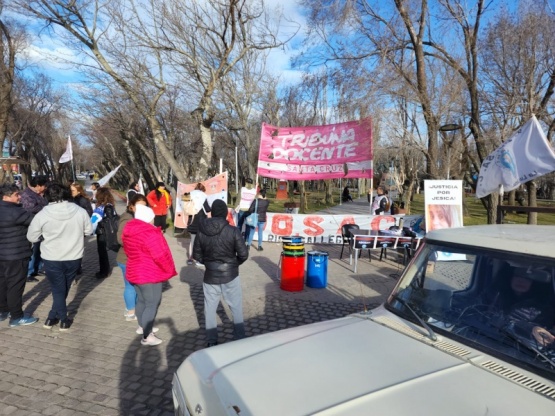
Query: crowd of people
x=43, y=230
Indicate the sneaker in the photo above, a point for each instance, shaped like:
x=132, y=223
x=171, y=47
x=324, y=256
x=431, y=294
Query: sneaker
x=65, y=325
x=4, y=316
x=24, y=320
x=49, y=323
x=32, y=279
x=140, y=330
x=130, y=317
x=189, y=262
x=260, y=248
x=151, y=340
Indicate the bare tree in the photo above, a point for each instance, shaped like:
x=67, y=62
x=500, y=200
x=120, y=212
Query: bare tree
x=205, y=41
x=520, y=81
x=100, y=32
x=12, y=38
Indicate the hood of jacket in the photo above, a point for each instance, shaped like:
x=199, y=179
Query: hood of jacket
x=137, y=227
x=212, y=226
x=61, y=211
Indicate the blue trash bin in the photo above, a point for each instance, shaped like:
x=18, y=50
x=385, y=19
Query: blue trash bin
x=317, y=269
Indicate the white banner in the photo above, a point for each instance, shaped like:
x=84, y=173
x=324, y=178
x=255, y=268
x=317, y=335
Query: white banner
x=443, y=203
x=324, y=229
x=141, y=186
x=216, y=188
x=527, y=155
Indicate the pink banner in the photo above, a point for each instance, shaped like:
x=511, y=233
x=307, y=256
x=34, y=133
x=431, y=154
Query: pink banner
x=341, y=150
x=216, y=188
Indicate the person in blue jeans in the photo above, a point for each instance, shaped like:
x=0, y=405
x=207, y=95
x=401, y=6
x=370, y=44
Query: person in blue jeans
x=261, y=210
x=61, y=225
x=33, y=200
x=129, y=293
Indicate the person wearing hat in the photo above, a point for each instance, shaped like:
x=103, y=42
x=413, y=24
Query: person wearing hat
x=149, y=264
x=221, y=248
x=160, y=200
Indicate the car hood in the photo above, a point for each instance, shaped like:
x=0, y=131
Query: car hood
x=361, y=364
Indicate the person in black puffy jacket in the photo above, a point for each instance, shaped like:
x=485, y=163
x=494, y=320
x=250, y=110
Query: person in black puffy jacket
x=221, y=248
x=15, y=251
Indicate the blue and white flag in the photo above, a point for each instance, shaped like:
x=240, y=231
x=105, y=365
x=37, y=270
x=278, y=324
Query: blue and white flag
x=527, y=155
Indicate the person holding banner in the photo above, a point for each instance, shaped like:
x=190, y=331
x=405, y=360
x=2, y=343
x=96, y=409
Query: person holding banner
x=160, y=200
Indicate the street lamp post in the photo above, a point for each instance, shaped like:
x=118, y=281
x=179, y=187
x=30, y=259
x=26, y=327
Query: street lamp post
x=444, y=129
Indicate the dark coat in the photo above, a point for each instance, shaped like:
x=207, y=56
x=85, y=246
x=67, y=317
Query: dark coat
x=261, y=210
x=221, y=248
x=84, y=203
x=14, y=221
x=193, y=226
x=32, y=201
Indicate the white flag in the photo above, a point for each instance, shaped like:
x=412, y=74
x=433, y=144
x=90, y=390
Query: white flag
x=525, y=156
x=68, y=154
x=141, y=186
x=104, y=180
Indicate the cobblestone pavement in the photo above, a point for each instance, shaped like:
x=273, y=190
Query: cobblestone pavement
x=99, y=367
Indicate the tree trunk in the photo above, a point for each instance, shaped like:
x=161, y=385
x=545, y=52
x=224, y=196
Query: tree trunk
x=532, y=202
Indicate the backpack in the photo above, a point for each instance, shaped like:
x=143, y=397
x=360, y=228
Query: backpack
x=109, y=225
x=188, y=206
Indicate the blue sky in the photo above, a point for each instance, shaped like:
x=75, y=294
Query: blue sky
x=48, y=53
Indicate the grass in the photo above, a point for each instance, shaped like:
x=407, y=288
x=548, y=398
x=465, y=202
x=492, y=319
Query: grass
x=475, y=213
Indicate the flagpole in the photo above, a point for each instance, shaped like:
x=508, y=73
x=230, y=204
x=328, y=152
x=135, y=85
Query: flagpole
x=72, y=170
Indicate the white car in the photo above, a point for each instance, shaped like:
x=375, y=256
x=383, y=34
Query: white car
x=457, y=336
x=80, y=176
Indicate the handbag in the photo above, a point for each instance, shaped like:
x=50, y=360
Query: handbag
x=252, y=220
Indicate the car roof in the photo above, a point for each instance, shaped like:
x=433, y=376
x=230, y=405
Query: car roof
x=535, y=240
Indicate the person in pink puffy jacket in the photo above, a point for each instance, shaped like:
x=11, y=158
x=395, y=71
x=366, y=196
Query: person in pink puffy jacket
x=149, y=264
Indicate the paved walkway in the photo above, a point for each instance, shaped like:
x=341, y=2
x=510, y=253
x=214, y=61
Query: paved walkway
x=99, y=367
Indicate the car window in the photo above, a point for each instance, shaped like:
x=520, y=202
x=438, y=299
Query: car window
x=488, y=299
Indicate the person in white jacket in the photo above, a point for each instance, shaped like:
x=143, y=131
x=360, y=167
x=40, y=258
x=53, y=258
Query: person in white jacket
x=60, y=226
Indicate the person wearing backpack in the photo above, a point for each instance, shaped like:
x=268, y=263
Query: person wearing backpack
x=61, y=226
x=104, y=199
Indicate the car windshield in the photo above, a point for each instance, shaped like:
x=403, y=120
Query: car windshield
x=497, y=302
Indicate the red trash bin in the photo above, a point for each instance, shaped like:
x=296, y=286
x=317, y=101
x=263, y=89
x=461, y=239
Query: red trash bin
x=292, y=264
